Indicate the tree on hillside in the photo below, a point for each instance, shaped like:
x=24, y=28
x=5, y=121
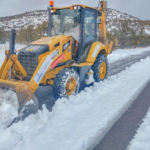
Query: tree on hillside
x=39, y=31
x=29, y=34
x=2, y=35
x=125, y=35
x=26, y=35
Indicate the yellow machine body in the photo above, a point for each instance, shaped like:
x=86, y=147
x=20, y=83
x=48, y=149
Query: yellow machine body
x=44, y=74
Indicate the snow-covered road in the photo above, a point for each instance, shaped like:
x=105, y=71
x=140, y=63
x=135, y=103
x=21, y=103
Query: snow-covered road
x=75, y=123
x=124, y=53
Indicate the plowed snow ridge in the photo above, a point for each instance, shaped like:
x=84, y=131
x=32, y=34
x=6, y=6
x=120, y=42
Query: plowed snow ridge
x=75, y=122
x=124, y=53
x=8, y=107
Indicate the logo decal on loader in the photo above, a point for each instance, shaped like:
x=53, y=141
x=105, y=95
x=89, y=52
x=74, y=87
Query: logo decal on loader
x=48, y=61
x=40, y=74
x=54, y=54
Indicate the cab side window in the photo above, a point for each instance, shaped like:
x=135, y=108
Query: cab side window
x=98, y=30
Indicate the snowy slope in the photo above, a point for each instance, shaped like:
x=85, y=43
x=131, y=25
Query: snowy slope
x=114, y=19
x=113, y=14
x=34, y=18
x=141, y=140
x=75, y=122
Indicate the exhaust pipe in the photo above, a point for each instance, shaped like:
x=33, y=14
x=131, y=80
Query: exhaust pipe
x=12, y=42
x=12, y=46
x=50, y=19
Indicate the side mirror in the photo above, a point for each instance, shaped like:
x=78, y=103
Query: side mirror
x=99, y=20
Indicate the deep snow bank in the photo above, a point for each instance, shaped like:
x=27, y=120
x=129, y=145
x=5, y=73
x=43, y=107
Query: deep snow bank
x=75, y=122
x=123, y=53
x=141, y=140
x=8, y=107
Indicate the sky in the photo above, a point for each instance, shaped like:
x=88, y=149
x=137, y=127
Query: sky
x=137, y=8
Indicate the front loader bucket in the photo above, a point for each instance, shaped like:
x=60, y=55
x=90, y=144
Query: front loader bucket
x=28, y=103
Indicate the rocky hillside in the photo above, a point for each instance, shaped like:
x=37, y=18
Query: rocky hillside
x=113, y=14
x=34, y=18
x=114, y=19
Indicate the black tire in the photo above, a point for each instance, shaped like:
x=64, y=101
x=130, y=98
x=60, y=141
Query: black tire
x=61, y=80
x=101, y=58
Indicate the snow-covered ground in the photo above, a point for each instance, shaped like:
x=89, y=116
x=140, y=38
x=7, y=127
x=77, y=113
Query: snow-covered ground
x=123, y=53
x=75, y=123
x=8, y=107
x=141, y=140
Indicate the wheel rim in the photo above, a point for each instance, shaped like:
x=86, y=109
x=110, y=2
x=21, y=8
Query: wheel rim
x=71, y=86
x=102, y=70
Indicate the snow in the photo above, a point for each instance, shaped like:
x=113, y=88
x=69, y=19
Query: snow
x=90, y=78
x=113, y=14
x=36, y=18
x=123, y=53
x=147, y=31
x=142, y=138
x=30, y=18
x=75, y=122
x=8, y=107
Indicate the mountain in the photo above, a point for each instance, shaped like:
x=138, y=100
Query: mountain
x=34, y=18
x=114, y=20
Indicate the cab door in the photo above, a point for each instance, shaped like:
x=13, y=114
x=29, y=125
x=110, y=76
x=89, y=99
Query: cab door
x=89, y=31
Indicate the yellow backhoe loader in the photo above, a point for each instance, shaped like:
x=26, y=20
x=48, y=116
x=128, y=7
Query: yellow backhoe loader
x=75, y=48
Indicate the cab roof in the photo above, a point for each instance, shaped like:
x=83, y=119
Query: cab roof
x=83, y=6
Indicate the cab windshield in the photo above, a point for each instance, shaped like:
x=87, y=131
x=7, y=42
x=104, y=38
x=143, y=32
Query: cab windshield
x=66, y=22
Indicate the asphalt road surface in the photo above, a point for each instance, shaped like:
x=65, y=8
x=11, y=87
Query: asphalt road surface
x=124, y=129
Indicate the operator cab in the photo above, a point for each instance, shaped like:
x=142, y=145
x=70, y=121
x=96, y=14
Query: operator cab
x=77, y=21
